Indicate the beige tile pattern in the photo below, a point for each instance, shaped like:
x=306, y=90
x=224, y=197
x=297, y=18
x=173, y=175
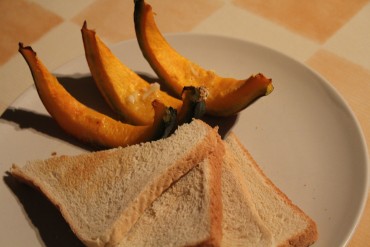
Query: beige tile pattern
x=362, y=234
x=351, y=81
x=14, y=74
x=22, y=22
x=172, y=15
x=66, y=9
x=316, y=19
x=238, y=23
x=113, y=19
x=353, y=39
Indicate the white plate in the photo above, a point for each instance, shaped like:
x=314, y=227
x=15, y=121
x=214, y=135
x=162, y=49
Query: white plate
x=303, y=135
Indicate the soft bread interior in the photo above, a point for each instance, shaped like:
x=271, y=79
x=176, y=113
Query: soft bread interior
x=241, y=224
x=289, y=225
x=181, y=216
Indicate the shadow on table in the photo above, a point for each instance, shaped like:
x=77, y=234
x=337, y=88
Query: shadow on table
x=44, y=124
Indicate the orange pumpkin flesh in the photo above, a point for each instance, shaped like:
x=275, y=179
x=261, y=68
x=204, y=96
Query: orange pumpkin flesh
x=126, y=92
x=227, y=96
x=82, y=122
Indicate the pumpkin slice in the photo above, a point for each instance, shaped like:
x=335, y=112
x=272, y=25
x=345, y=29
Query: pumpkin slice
x=227, y=96
x=85, y=123
x=125, y=91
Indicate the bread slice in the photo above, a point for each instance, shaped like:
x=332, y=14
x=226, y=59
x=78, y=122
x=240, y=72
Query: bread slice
x=289, y=225
x=189, y=213
x=102, y=194
x=241, y=224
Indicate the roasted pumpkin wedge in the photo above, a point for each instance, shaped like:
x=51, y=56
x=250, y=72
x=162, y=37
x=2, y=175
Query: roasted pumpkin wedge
x=125, y=91
x=85, y=123
x=227, y=96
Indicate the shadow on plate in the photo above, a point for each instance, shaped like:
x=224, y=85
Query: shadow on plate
x=26, y=119
x=83, y=89
x=52, y=229
x=224, y=124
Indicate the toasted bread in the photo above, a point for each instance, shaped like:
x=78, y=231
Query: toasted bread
x=289, y=225
x=102, y=194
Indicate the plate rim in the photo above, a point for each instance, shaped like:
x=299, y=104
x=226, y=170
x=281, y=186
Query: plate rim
x=327, y=84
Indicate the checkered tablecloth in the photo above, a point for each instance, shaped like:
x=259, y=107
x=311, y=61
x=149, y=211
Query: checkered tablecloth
x=330, y=36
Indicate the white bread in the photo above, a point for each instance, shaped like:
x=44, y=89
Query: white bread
x=102, y=194
x=289, y=225
x=187, y=214
x=182, y=215
x=241, y=224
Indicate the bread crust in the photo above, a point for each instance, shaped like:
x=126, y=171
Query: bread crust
x=23, y=177
x=202, y=150
x=205, y=148
x=212, y=148
x=310, y=234
x=216, y=160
